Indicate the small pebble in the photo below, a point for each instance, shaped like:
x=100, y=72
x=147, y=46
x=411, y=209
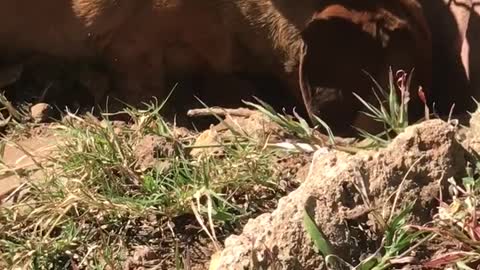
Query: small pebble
x=40, y=112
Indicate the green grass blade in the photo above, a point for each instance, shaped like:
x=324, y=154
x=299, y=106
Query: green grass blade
x=318, y=238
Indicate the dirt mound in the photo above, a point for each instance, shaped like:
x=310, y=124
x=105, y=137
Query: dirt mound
x=344, y=193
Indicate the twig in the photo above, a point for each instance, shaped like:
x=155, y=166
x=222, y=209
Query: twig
x=242, y=112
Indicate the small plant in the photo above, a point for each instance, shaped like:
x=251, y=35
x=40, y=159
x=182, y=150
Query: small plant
x=456, y=227
x=397, y=243
x=299, y=128
x=392, y=110
x=399, y=240
x=296, y=125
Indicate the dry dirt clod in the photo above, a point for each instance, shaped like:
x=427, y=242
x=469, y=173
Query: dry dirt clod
x=339, y=184
x=149, y=149
x=40, y=112
x=207, y=143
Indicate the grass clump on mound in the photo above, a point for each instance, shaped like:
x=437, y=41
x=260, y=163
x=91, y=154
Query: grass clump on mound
x=96, y=207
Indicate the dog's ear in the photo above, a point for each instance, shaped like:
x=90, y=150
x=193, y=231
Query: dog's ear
x=378, y=23
x=319, y=17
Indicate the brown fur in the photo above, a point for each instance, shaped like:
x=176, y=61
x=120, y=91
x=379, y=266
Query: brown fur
x=65, y=28
x=141, y=42
x=270, y=36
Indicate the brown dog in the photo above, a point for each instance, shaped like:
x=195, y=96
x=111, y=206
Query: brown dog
x=147, y=43
x=343, y=41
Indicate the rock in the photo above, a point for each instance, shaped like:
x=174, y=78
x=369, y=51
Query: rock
x=255, y=126
x=40, y=112
x=209, y=137
x=341, y=191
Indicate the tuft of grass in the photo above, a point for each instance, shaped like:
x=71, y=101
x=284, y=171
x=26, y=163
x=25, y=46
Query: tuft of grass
x=299, y=128
x=392, y=109
x=398, y=241
x=15, y=120
x=14, y=114
x=95, y=205
x=296, y=125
